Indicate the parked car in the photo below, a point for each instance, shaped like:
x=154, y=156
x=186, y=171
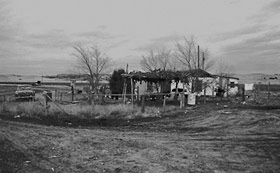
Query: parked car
x=24, y=93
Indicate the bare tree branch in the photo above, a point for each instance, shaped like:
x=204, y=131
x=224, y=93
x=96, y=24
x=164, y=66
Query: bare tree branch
x=159, y=59
x=92, y=61
x=187, y=54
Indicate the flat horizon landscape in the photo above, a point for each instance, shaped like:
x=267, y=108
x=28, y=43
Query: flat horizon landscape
x=243, y=78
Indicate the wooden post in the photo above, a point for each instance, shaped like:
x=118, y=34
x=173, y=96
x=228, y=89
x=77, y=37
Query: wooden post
x=143, y=103
x=243, y=93
x=138, y=99
x=72, y=92
x=268, y=90
x=198, y=58
x=132, y=91
x=124, y=91
x=204, y=92
x=184, y=97
x=181, y=100
x=164, y=103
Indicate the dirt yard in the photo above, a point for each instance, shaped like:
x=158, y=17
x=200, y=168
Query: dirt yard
x=210, y=139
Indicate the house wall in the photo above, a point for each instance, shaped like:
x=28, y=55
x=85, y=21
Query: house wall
x=211, y=84
x=142, y=86
x=232, y=91
x=209, y=87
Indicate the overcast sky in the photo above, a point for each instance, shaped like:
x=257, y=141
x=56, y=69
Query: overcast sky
x=37, y=36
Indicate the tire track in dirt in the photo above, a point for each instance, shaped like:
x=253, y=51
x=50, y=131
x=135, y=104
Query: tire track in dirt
x=227, y=140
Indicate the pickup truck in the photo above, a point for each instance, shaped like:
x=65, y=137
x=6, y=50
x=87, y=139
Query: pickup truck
x=24, y=93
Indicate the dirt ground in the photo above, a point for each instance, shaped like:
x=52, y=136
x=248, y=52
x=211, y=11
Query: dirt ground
x=210, y=139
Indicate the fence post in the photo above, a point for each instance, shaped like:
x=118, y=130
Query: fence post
x=205, y=93
x=184, y=100
x=268, y=91
x=181, y=100
x=72, y=93
x=138, y=93
x=243, y=93
x=143, y=104
x=132, y=91
x=164, y=103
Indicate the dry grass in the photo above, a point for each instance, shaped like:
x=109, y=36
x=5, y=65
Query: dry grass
x=119, y=111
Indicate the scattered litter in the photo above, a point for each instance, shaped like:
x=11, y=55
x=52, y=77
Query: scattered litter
x=52, y=169
x=225, y=106
x=17, y=116
x=244, y=103
x=224, y=112
x=53, y=157
x=27, y=161
x=69, y=124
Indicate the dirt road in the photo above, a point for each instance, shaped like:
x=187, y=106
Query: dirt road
x=221, y=140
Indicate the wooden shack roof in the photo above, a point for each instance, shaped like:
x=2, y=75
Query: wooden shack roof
x=160, y=75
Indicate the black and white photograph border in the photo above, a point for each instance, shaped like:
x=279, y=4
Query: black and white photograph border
x=139, y=86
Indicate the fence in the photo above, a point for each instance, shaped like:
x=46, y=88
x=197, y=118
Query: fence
x=264, y=93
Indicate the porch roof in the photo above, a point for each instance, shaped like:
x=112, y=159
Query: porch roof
x=160, y=75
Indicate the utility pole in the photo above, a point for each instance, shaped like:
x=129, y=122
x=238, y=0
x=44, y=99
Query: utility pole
x=203, y=60
x=198, y=57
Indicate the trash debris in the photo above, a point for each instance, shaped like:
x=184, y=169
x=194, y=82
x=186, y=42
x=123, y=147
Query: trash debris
x=225, y=106
x=224, y=112
x=17, y=116
x=52, y=157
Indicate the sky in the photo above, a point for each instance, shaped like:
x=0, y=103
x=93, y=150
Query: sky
x=37, y=36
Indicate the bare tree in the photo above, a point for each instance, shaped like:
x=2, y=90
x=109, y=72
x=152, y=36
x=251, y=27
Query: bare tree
x=155, y=60
x=92, y=61
x=192, y=58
